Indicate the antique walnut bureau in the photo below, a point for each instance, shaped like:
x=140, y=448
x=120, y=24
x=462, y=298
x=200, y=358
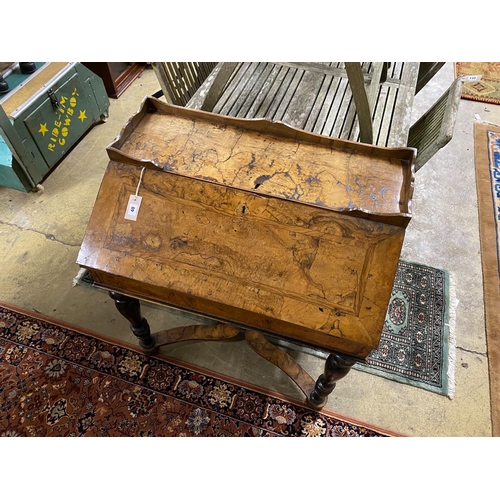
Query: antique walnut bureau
x=266, y=228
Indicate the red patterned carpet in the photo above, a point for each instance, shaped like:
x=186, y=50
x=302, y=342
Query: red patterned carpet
x=56, y=380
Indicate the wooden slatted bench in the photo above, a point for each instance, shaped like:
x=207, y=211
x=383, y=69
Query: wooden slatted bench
x=316, y=97
x=337, y=100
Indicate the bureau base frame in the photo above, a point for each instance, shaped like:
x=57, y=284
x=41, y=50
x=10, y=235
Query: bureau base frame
x=337, y=365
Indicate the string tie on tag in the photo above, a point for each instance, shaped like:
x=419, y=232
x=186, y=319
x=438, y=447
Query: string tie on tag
x=139, y=183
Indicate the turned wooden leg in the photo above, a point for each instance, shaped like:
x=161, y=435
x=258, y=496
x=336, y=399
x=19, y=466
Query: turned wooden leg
x=131, y=309
x=336, y=367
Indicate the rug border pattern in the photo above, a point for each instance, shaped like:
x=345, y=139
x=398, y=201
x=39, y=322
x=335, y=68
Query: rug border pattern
x=333, y=420
x=467, y=93
x=448, y=351
x=488, y=231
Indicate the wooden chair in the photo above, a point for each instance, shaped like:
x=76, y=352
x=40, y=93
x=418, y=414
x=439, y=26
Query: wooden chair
x=425, y=72
x=431, y=132
x=180, y=80
x=435, y=128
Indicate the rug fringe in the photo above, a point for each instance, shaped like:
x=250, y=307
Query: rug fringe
x=452, y=345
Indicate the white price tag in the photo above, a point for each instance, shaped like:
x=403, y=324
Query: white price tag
x=134, y=203
x=471, y=78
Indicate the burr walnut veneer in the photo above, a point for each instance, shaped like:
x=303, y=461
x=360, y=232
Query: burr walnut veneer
x=267, y=228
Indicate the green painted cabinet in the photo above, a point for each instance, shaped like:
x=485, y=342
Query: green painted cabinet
x=39, y=127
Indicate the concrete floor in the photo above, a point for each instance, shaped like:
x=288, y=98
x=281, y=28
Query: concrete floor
x=41, y=233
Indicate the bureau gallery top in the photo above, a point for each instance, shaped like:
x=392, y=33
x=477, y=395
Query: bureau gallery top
x=253, y=222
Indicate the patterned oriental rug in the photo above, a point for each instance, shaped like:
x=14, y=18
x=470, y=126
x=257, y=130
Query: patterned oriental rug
x=487, y=160
x=56, y=380
x=417, y=344
x=481, y=81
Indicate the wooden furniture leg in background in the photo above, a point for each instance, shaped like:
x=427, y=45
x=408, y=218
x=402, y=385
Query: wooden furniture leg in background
x=131, y=309
x=336, y=367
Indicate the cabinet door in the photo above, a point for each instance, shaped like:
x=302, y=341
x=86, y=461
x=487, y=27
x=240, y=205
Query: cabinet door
x=59, y=121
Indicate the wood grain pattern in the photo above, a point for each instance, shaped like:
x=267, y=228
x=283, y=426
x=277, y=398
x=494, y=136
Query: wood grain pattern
x=287, y=256
x=271, y=158
x=282, y=360
x=220, y=331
